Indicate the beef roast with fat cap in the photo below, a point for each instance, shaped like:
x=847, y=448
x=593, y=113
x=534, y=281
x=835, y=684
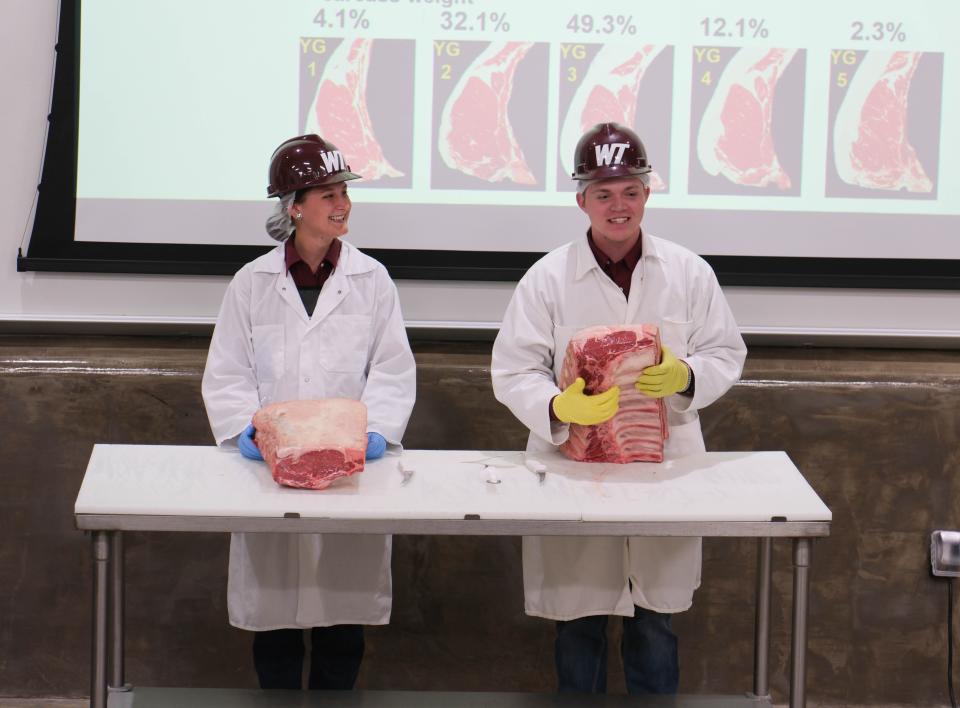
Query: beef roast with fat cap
x=309, y=444
x=615, y=356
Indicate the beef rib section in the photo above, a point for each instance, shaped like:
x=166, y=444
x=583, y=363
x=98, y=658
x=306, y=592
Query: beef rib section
x=735, y=138
x=870, y=146
x=475, y=136
x=616, y=356
x=608, y=93
x=309, y=444
x=339, y=112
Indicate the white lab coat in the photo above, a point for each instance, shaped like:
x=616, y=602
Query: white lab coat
x=265, y=348
x=673, y=288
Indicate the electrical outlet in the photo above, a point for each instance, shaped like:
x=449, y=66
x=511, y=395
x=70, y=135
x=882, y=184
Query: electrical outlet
x=945, y=553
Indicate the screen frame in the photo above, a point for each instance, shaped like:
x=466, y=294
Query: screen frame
x=52, y=247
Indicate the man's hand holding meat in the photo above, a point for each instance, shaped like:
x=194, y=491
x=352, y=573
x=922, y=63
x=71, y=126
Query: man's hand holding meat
x=575, y=406
x=668, y=377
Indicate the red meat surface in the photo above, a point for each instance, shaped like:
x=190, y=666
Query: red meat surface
x=339, y=110
x=872, y=148
x=475, y=136
x=309, y=444
x=615, y=356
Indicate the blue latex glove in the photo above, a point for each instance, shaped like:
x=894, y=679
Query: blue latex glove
x=248, y=448
x=376, y=446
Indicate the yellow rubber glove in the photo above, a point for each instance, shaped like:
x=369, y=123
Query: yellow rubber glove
x=574, y=406
x=664, y=379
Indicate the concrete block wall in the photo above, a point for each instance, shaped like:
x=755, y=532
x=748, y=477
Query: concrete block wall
x=877, y=434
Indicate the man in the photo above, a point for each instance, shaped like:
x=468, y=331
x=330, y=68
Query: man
x=616, y=274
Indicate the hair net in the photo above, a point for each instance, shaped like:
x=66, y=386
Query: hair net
x=279, y=224
x=584, y=183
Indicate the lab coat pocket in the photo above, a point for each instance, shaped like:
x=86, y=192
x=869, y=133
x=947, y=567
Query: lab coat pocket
x=675, y=334
x=685, y=435
x=345, y=343
x=268, y=352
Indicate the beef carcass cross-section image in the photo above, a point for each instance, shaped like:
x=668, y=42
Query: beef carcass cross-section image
x=339, y=113
x=309, y=444
x=616, y=356
x=736, y=132
x=475, y=135
x=608, y=93
x=870, y=147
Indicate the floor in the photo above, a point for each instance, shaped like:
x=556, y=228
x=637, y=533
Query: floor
x=83, y=703
x=188, y=698
x=43, y=703
x=214, y=698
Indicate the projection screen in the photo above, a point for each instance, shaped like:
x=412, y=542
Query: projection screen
x=801, y=145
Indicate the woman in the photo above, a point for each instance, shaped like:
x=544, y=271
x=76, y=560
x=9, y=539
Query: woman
x=313, y=318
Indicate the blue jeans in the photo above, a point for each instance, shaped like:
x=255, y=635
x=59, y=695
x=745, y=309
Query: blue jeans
x=335, y=655
x=648, y=649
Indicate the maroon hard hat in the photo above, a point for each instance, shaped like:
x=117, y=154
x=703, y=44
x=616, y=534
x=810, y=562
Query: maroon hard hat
x=306, y=161
x=609, y=150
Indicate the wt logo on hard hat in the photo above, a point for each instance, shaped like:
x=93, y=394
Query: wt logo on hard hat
x=610, y=153
x=333, y=161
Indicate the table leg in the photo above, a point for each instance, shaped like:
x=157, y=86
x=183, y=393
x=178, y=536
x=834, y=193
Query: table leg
x=761, y=638
x=98, y=654
x=798, y=653
x=116, y=613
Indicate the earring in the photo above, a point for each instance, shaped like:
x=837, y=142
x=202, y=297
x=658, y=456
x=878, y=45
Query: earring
x=299, y=216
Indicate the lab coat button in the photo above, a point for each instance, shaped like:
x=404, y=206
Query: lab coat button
x=306, y=379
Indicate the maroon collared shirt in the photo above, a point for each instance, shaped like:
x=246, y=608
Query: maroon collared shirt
x=308, y=282
x=302, y=276
x=620, y=272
